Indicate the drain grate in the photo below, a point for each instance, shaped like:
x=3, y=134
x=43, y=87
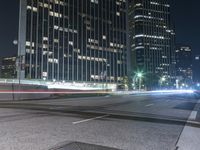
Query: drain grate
x=82, y=146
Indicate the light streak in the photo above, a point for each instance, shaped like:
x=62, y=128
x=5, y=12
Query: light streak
x=52, y=92
x=173, y=91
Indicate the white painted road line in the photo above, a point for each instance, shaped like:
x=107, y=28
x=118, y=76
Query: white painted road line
x=86, y=120
x=149, y=105
x=193, y=115
x=107, y=96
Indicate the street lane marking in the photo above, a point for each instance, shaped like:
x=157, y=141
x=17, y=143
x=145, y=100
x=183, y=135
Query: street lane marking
x=193, y=115
x=149, y=105
x=86, y=120
x=107, y=96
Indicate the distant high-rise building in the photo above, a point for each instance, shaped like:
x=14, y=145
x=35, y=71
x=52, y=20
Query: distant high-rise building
x=152, y=38
x=196, y=69
x=184, y=64
x=73, y=40
x=8, y=67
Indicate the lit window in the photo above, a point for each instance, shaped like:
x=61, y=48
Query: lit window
x=71, y=43
x=95, y=1
x=45, y=38
x=118, y=13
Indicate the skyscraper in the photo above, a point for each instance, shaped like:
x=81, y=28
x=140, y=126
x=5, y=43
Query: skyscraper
x=184, y=64
x=8, y=67
x=152, y=38
x=73, y=40
x=196, y=72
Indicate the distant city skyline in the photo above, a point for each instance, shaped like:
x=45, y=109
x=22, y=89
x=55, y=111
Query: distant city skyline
x=186, y=17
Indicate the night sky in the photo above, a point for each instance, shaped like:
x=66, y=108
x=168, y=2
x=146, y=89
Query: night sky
x=186, y=15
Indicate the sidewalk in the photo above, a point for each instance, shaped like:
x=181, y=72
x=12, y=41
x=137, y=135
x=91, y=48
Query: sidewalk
x=190, y=136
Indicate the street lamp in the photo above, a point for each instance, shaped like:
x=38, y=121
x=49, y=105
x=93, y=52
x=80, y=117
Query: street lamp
x=140, y=75
x=19, y=62
x=162, y=80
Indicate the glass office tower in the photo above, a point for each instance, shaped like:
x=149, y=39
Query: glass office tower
x=196, y=71
x=152, y=37
x=184, y=63
x=73, y=40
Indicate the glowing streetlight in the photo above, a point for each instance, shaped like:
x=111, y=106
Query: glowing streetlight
x=140, y=75
x=163, y=79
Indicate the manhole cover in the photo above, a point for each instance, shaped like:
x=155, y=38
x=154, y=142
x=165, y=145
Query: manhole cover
x=82, y=146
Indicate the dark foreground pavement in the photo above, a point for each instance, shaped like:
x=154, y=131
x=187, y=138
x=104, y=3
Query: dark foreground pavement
x=129, y=122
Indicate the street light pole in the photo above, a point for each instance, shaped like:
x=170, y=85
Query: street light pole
x=139, y=75
x=19, y=63
x=140, y=82
x=20, y=72
x=162, y=80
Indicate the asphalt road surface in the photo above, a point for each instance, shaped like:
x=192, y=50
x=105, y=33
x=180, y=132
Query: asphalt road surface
x=128, y=122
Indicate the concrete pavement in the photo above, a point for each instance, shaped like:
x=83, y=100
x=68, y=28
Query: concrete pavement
x=149, y=122
x=190, y=136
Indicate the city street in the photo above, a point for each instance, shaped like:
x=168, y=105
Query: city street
x=100, y=75
x=129, y=122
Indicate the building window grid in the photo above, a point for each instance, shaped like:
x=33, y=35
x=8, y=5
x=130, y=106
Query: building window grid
x=56, y=47
x=163, y=42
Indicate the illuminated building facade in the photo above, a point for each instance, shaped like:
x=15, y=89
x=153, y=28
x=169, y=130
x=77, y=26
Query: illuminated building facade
x=73, y=40
x=184, y=64
x=152, y=37
x=8, y=67
x=196, y=69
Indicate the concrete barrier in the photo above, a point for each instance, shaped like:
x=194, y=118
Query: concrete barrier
x=9, y=92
